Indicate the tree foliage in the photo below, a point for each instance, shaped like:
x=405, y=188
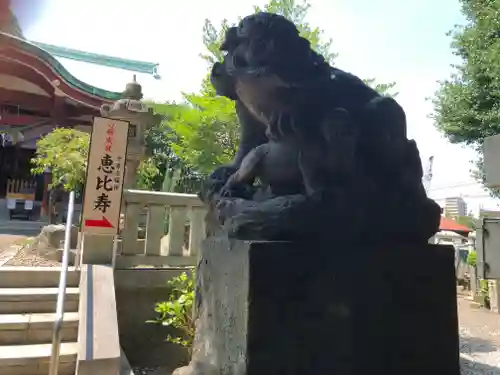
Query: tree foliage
x=64, y=152
x=163, y=169
x=154, y=168
x=467, y=105
x=469, y=221
x=207, y=131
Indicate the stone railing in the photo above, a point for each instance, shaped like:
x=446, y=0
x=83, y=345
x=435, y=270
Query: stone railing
x=160, y=229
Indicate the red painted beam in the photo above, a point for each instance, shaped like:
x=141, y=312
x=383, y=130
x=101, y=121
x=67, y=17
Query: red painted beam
x=38, y=103
x=27, y=74
x=10, y=119
x=41, y=104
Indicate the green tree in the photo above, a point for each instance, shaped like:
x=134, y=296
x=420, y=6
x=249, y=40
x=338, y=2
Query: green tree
x=467, y=105
x=207, y=131
x=159, y=154
x=64, y=152
x=163, y=169
x=208, y=128
x=469, y=221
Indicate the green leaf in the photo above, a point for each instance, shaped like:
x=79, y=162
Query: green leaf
x=178, y=310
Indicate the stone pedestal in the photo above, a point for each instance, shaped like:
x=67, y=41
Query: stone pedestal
x=131, y=172
x=97, y=249
x=320, y=307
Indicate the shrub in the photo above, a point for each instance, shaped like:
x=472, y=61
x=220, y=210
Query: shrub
x=484, y=292
x=472, y=258
x=177, y=311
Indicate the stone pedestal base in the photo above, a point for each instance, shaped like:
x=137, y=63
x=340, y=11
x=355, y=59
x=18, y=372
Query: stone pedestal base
x=325, y=308
x=97, y=249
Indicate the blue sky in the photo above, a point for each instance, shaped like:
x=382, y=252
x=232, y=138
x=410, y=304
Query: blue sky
x=389, y=40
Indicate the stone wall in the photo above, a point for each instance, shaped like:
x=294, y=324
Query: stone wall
x=144, y=344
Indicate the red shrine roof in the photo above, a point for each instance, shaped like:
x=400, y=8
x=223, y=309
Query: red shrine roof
x=22, y=59
x=38, y=87
x=452, y=225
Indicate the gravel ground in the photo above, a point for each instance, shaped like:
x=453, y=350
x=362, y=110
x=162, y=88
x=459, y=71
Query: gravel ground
x=9, y=246
x=27, y=257
x=6, y=240
x=479, y=339
x=25, y=252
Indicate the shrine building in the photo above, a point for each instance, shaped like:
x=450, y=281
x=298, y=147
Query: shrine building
x=37, y=94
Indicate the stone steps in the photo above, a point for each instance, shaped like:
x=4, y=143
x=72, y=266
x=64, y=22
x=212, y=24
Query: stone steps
x=35, y=300
x=21, y=329
x=28, y=297
x=41, y=277
x=35, y=359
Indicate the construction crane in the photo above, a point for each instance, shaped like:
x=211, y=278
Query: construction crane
x=428, y=174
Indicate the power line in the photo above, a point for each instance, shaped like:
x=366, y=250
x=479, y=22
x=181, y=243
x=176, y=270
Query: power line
x=484, y=195
x=460, y=184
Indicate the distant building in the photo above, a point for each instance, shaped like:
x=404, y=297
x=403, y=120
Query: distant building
x=454, y=207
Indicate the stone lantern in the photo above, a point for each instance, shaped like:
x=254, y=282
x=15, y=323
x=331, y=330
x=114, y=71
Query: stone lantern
x=141, y=117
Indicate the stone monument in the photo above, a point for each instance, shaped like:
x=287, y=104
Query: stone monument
x=319, y=260
x=141, y=117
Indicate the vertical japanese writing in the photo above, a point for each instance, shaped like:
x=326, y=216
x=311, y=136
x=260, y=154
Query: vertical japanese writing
x=110, y=133
x=105, y=182
x=118, y=170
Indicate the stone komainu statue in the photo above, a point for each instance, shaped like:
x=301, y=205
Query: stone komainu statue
x=322, y=156
x=344, y=144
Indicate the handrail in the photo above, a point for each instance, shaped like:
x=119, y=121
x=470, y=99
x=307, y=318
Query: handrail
x=61, y=292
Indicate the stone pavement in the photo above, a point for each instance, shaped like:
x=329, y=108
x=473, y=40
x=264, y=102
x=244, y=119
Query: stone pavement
x=479, y=339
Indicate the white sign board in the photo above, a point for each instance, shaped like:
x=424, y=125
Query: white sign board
x=11, y=204
x=28, y=205
x=105, y=173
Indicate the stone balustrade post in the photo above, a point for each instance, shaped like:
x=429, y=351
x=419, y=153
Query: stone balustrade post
x=494, y=294
x=145, y=213
x=474, y=284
